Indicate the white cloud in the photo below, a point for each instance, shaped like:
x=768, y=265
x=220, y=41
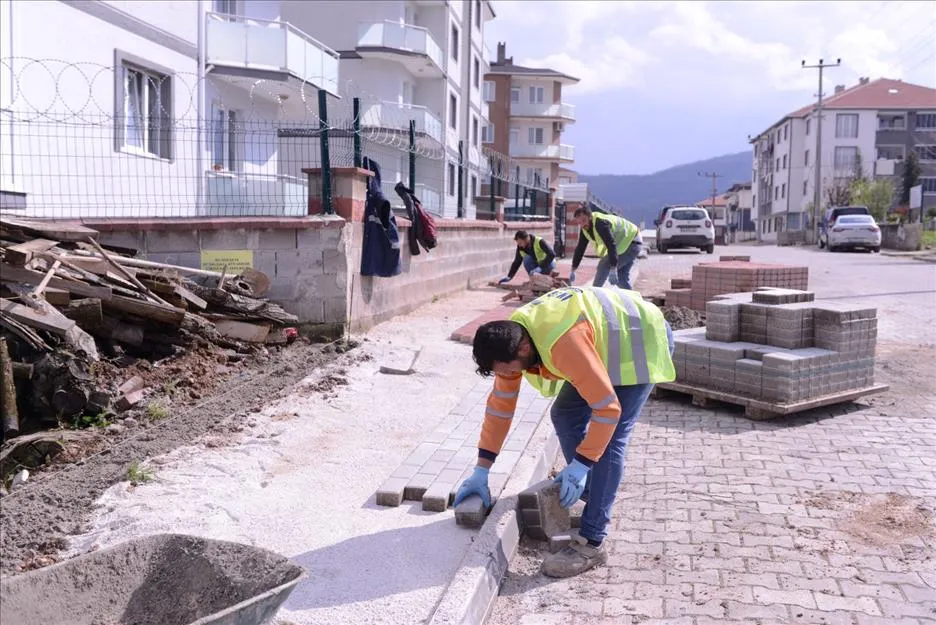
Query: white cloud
x=616, y=65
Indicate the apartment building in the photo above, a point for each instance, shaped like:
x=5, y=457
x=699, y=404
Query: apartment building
x=413, y=59
x=527, y=119
x=148, y=117
x=875, y=122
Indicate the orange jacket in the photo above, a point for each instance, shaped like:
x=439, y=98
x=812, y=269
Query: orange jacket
x=576, y=358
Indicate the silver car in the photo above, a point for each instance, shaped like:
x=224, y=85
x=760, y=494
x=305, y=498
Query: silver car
x=855, y=231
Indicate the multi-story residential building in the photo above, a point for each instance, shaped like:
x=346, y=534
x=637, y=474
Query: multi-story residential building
x=413, y=59
x=742, y=216
x=527, y=119
x=874, y=123
x=146, y=118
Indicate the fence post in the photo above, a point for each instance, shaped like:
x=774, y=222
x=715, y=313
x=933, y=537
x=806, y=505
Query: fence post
x=536, y=182
x=491, y=187
x=327, y=207
x=461, y=174
x=516, y=208
x=412, y=155
x=356, y=125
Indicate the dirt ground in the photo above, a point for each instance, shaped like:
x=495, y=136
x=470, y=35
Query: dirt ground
x=203, y=392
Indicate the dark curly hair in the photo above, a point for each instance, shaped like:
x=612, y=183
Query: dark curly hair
x=496, y=341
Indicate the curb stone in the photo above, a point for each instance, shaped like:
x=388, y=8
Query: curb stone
x=470, y=595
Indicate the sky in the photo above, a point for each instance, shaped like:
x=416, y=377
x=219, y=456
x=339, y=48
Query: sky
x=666, y=83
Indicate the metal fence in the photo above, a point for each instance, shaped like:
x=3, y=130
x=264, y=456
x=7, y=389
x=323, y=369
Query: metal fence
x=81, y=141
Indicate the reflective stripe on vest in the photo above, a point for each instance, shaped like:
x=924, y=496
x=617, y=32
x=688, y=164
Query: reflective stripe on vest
x=616, y=337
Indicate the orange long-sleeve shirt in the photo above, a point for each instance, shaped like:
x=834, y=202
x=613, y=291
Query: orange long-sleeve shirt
x=578, y=362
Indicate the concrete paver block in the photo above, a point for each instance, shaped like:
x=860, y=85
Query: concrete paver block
x=471, y=512
x=391, y=492
x=417, y=486
x=559, y=542
x=554, y=519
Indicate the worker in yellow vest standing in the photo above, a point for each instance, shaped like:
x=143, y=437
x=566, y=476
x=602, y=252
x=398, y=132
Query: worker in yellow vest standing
x=617, y=244
x=598, y=351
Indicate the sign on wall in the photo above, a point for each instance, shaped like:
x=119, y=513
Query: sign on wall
x=235, y=260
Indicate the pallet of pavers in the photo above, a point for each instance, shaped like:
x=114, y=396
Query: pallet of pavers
x=777, y=352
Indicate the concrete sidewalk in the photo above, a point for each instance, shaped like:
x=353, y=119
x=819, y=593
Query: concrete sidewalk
x=300, y=477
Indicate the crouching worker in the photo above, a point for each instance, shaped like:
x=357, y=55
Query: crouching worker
x=599, y=351
x=534, y=253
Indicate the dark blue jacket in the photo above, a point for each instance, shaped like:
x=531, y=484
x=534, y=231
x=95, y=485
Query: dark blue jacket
x=380, y=251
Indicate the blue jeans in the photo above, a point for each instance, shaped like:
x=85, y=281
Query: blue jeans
x=624, y=263
x=570, y=416
x=529, y=263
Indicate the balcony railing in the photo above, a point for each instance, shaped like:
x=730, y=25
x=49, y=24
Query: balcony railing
x=397, y=116
x=235, y=41
x=233, y=194
x=559, y=152
x=526, y=109
x=387, y=34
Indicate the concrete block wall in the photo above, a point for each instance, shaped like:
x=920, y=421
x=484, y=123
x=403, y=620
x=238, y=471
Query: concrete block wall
x=903, y=237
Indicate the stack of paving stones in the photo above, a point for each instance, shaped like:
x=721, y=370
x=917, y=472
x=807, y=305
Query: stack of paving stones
x=779, y=346
x=435, y=469
x=732, y=274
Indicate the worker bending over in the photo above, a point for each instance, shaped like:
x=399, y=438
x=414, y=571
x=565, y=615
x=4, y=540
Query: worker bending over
x=599, y=351
x=534, y=253
x=617, y=244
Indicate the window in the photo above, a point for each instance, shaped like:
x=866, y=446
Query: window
x=514, y=136
x=536, y=95
x=785, y=134
x=891, y=122
x=451, y=179
x=929, y=185
x=808, y=123
x=477, y=73
x=776, y=193
x=846, y=126
x=778, y=164
x=225, y=7
x=806, y=158
x=926, y=152
x=515, y=94
x=535, y=136
x=784, y=161
x=454, y=43
x=487, y=133
x=783, y=191
x=490, y=90
x=474, y=131
x=890, y=152
x=477, y=13
x=407, y=92
x=534, y=175
x=805, y=187
x=845, y=158
x=926, y=121
x=474, y=186
x=224, y=148
x=453, y=111
x=145, y=123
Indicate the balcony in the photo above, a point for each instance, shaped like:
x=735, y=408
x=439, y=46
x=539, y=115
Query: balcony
x=235, y=194
x=552, y=152
x=246, y=48
x=397, y=116
x=411, y=45
x=558, y=111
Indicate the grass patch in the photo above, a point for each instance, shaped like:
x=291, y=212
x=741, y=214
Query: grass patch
x=929, y=238
x=156, y=411
x=98, y=420
x=139, y=475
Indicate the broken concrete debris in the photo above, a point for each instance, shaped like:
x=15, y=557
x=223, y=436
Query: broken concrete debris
x=537, y=285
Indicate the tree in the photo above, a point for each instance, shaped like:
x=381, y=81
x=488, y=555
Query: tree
x=858, y=169
x=911, y=176
x=838, y=193
x=877, y=195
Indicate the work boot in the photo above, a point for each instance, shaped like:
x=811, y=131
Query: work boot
x=577, y=558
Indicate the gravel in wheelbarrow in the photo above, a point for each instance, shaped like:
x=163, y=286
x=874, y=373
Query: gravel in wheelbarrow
x=164, y=579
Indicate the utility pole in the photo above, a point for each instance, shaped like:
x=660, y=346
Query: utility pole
x=817, y=199
x=715, y=176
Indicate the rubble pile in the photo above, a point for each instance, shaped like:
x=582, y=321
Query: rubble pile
x=538, y=284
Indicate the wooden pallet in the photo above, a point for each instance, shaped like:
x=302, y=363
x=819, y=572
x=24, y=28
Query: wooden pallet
x=760, y=410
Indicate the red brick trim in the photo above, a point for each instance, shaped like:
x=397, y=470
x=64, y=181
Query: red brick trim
x=214, y=223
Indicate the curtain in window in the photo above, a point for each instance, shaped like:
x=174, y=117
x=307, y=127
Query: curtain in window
x=846, y=126
x=133, y=109
x=845, y=158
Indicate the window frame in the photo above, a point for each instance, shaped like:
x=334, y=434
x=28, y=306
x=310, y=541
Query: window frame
x=453, y=111
x=155, y=75
x=840, y=133
x=454, y=41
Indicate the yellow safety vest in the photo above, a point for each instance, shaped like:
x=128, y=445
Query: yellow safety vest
x=623, y=231
x=630, y=334
x=538, y=252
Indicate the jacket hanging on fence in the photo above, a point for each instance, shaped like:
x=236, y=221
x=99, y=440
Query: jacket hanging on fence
x=380, y=251
x=423, y=228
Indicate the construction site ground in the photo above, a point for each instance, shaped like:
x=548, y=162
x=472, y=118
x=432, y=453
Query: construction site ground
x=824, y=517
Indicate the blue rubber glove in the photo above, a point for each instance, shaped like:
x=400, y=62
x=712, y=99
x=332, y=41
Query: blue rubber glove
x=612, y=277
x=572, y=483
x=504, y=280
x=476, y=484
x=572, y=277
x=537, y=270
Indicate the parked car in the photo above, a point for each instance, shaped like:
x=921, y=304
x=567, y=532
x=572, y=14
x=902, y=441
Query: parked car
x=685, y=226
x=853, y=232
x=831, y=216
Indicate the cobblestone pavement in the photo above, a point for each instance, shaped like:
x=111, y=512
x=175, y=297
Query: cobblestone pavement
x=826, y=517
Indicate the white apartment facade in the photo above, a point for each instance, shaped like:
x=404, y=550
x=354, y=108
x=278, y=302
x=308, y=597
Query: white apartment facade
x=413, y=59
x=115, y=131
x=874, y=122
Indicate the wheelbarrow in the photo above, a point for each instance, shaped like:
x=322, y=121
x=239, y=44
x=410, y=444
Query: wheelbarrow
x=164, y=579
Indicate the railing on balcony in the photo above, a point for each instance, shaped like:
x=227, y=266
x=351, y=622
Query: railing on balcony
x=387, y=34
x=430, y=199
x=236, y=41
x=561, y=110
x=560, y=152
x=397, y=115
x=233, y=194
